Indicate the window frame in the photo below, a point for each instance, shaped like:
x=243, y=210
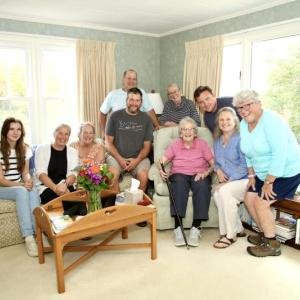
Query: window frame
x=33, y=45
x=247, y=37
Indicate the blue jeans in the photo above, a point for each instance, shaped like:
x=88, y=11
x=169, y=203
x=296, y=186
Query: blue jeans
x=26, y=202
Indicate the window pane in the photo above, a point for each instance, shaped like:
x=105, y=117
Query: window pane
x=231, y=70
x=275, y=74
x=58, y=72
x=58, y=112
x=18, y=109
x=12, y=72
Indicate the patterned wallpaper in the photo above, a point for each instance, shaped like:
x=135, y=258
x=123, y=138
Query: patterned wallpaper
x=132, y=51
x=172, y=48
x=159, y=61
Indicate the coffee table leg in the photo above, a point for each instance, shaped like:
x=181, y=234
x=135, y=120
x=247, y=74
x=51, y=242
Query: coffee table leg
x=40, y=244
x=153, y=237
x=58, y=251
x=125, y=233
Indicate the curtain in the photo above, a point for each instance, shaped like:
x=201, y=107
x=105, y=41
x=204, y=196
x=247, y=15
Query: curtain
x=203, y=65
x=96, y=75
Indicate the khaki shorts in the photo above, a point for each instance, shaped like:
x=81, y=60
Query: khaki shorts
x=144, y=165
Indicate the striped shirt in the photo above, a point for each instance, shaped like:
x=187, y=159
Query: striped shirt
x=173, y=113
x=12, y=172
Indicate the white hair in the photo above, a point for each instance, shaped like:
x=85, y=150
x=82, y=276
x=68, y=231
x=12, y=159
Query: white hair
x=187, y=120
x=244, y=96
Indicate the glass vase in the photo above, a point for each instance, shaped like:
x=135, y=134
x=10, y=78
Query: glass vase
x=94, y=202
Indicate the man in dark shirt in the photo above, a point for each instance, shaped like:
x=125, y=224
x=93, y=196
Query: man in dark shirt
x=128, y=139
x=210, y=105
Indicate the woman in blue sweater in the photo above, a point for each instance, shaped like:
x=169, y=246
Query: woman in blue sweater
x=273, y=160
x=231, y=169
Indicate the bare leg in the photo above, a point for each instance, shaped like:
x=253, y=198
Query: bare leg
x=265, y=216
x=249, y=202
x=142, y=176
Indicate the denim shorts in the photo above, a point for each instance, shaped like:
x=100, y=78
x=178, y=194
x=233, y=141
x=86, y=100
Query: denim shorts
x=284, y=187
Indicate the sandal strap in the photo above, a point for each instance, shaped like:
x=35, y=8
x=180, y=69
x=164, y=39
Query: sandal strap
x=223, y=240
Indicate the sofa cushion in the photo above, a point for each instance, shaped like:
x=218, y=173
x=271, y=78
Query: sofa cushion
x=7, y=206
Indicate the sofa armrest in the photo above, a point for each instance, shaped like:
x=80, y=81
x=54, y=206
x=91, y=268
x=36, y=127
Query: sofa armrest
x=160, y=185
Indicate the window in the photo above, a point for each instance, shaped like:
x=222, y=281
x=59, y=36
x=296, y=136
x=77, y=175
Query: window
x=38, y=84
x=267, y=61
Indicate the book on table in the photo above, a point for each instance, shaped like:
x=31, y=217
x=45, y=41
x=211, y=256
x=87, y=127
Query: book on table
x=285, y=227
x=60, y=222
x=297, y=237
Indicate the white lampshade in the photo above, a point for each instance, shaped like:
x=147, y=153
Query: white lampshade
x=156, y=102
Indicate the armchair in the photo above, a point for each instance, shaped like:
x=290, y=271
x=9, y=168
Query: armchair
x=161, y=198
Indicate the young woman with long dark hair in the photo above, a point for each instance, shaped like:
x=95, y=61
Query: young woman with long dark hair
x=15, y=181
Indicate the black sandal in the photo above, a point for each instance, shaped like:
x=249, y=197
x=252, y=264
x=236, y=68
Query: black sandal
x=227, y=242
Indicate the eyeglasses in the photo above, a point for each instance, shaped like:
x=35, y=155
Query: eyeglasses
x=173, y=93
x=187, y=129
x=244, y=107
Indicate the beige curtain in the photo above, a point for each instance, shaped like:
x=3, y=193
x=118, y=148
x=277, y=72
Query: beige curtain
x=96, y=75
x=203, y=65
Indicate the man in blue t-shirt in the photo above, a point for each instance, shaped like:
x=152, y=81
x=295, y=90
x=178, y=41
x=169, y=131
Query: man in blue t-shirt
x=210, y=105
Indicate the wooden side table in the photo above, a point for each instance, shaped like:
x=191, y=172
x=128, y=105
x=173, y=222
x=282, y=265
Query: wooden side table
x=116, y=218
x=292, y=208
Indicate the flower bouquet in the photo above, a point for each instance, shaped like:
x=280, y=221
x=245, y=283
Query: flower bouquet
x=93, y=178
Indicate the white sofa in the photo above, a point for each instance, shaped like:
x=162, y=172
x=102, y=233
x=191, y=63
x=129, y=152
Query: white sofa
x=161, y=199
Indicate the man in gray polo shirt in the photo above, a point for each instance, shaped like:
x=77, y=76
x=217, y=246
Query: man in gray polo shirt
x=128, y=139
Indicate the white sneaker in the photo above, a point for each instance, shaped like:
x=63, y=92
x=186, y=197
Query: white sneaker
x=194, y=237
x=31, y=246
x=178, y=237
x=46, y=241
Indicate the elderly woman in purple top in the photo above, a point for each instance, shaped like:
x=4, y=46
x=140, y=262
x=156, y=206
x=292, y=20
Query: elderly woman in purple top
x=231, y=169
x=192, y=162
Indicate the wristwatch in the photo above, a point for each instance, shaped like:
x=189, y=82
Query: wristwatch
x=268, y=182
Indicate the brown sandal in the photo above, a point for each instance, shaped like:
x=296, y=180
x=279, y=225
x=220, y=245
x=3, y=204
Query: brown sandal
x=227, y=242
x=241, y=234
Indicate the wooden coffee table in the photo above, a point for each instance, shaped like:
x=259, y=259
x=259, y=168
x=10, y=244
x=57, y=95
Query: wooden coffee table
x=115, y=218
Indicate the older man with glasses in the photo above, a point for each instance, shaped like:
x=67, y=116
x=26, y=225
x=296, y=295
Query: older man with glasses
x=177, y=107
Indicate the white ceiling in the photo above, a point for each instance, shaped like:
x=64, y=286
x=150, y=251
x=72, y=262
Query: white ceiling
x=155, y=17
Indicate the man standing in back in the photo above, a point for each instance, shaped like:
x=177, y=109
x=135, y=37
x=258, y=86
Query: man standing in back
x=116, y=100
x=128, y=139
x=209, y=104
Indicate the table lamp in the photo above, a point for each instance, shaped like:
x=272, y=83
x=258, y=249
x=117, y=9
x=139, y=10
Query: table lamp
x=156, y=102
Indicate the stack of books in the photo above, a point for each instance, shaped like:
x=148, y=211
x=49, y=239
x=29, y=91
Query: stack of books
x=60, y=222
x=285, y=228
x=297, y=237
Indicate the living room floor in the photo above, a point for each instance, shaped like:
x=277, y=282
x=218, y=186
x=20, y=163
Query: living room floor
x=202, y=273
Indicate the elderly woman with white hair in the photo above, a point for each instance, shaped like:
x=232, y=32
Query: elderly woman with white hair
x=192, y=162
x=273, y=160
x=54, y=164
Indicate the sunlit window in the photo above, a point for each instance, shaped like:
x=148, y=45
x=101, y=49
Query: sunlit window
x=38, y=84
x=267, y=61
